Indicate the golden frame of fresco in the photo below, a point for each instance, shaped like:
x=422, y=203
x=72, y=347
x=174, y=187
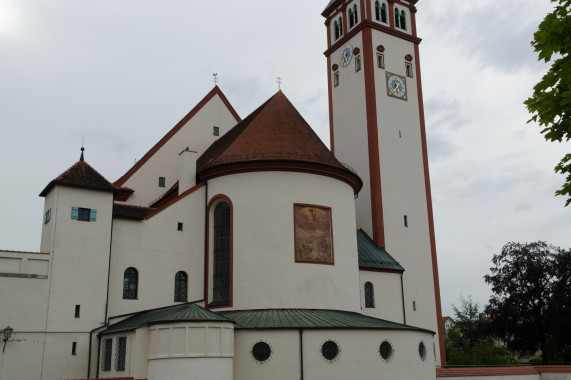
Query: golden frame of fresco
x=313, y=234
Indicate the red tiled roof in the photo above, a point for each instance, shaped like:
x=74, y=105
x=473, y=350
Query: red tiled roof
x=273, y=132
x=131, y=212
x=82, y=175
x=485, y=371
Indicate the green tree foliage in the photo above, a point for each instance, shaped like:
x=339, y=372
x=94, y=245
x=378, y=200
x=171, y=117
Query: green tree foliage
x=530, y=308
x=467, y=341
x=550, y=104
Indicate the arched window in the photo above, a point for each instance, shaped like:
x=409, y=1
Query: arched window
x=336, y=30
x=355, y=15
x=378, y=11
x=384, y=13
x=402, y=20
x=130, y=283
x=369, y=295
x=397, y=17
x=221, y=269
x=180, y=287
x=351, y=23
x=340, y=26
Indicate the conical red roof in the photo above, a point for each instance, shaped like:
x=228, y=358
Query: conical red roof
x=275, y=132
x=81, y=174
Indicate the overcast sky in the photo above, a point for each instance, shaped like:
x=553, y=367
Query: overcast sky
x=122, y=73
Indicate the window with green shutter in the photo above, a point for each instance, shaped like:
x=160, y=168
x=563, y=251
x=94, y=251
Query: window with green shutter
x=83, y=214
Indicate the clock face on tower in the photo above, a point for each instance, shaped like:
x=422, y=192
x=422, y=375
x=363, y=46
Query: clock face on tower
x=346, y=55
x=396, y=86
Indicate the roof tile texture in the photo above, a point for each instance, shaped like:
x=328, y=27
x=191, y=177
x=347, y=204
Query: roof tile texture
x=81, y=174
x=274, y=131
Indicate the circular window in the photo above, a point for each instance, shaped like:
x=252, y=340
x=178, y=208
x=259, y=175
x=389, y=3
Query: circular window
x=422, y=350
x=261, y=351
x=330, y=350
x=386, y=350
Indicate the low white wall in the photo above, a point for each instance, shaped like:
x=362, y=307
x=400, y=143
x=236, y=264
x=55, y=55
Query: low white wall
x=191, y=368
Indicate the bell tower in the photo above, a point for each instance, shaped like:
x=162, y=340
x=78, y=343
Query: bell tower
x=377, y=127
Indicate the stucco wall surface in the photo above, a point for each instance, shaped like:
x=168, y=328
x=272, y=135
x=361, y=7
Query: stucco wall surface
x=387, y=295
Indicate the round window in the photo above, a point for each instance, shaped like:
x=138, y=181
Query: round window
x=330, y=350
x=261, y=351
x=422, y=350
x=386, y=350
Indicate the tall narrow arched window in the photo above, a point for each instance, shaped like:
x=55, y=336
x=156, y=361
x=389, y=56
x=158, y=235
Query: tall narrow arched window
x=130, y=283
x=397, y=17
x=351, y=23
x=378, y=11
x=369, y=295
x=336, y=26
x=384, y=13
x=180, y=287
x=355, y=14
x=340, y=26
x=221, y=269
x=402, y=20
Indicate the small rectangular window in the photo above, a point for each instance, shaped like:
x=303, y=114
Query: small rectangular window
x=336, y=79
x=77, y=309
x=400, y=135
x=216, y=131
x=380, y=61
x=47, y=216
x=162, y=182
x=405, y=221
x=414, y=305
x=83, y=214
x=74, y=348
x=179, y=227
x=106, y=354
x=121, y=353
x=357, y=64
x=409, y=70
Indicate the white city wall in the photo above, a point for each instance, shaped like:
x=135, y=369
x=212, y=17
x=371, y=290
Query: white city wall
x=196, y=134
x=265, y=274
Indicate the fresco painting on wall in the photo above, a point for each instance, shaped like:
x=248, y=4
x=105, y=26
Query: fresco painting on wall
x=313, y=234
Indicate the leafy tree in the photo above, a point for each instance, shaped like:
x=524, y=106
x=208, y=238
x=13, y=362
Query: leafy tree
x=550, y=104
x=467, y=342
x=531, y=288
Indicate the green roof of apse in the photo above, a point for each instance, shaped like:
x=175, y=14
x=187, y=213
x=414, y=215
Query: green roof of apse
x=188, y=312
x=275, y=319
x=373, y=257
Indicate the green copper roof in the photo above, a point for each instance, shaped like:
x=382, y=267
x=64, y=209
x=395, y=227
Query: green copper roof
x=188, y=312
x=270, y=319
x=374, y=257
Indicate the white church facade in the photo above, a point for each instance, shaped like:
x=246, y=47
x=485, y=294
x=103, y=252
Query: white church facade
x=244, y=248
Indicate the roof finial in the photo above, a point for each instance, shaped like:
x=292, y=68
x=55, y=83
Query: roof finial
x=215, y=78
x=279, y=82
x=81, y=157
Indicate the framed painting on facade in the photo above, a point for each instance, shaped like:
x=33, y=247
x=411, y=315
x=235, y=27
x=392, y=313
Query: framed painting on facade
x=313, y=234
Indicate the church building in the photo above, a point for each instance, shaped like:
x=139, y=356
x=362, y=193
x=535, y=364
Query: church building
x=246, y=249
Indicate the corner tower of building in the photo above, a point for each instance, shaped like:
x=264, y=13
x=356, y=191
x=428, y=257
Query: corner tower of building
x=377, y=127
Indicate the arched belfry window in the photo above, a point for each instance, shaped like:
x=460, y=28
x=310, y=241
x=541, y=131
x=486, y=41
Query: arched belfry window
x=336, y=26
x=397, y=18
x=355, y=14
x=378, y=10
x=384, y=12
x=369, y=295
x=180, y=287
x=340, y=26
x=351, y=22
x=221, y=255
x=130, y=283
x=402, y=20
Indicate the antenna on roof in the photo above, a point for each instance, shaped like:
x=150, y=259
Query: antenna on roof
x=279, y=82
x=215, y=78
x=82, y=148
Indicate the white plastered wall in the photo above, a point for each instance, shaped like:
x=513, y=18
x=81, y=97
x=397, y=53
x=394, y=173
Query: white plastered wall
x=196, y=134
x=387, y=295
x=158, y=250
x=265, y=274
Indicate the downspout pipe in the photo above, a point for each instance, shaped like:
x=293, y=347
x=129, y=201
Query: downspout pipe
x=301, y=353
x=402, y=295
